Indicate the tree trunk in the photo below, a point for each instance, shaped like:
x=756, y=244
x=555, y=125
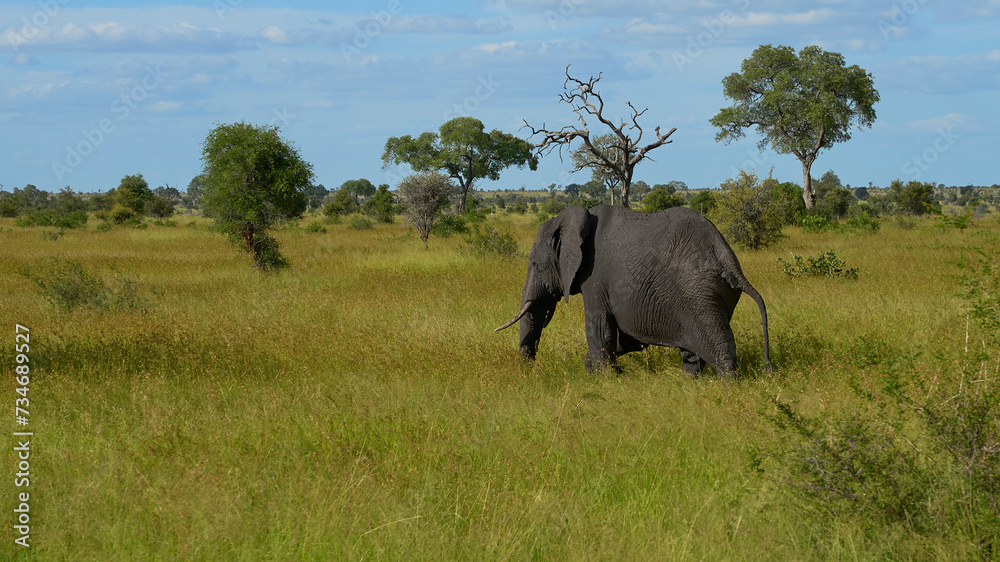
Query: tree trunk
x=461, y=199
x=626, y=188
x=248, y=240
x=807, y=191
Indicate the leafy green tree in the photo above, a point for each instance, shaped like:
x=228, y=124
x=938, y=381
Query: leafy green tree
x=703, y=202
x=340, y=204
x=913, y=197
x=170, y=193
x=159, y=207
x=800, y=104
x=572, y=190
x=659, y=199
x=315, y=195
x=359, y=189
x=832, y=199
x=67, y=201
x=423, y=197
x=380, y=206
x=746, y=213
x=594, y=189
x=463, y=150
x=194, y=191
x=253, y=180
x=133, y=193
x=787, y=198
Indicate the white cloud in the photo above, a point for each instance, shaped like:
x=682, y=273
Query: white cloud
x=119, y=36
x=162, y=106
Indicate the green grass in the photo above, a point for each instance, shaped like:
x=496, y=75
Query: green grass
x=359, y=406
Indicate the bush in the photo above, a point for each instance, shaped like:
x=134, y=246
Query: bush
x=659, y=199
x=68, y=285
x=340, y=204
x=122, y=215
x=51, y=217
x=490, y=241
x=316, y=227
x=823, y=265
x=159, y=207
x=446, y=225
x=75, y=219
x=862, y=223
x=553, y=206
x=359, y=222
x=816, y=223
x=922, y=454
x=703, y=202
x=746, y=214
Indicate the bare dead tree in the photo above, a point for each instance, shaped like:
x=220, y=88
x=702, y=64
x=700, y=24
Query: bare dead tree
x=617, y=160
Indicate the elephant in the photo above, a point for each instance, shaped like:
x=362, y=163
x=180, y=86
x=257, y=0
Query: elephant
x=666, y=278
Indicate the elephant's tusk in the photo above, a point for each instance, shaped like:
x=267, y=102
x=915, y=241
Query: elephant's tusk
x=524, y=310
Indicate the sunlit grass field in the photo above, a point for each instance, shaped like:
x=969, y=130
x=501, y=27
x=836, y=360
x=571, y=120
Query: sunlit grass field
x=359, y=405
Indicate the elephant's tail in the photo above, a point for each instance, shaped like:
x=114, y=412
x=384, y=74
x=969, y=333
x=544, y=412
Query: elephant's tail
x=745, y=286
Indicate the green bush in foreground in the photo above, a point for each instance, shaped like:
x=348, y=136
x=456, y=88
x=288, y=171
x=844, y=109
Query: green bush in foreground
x=921, y=454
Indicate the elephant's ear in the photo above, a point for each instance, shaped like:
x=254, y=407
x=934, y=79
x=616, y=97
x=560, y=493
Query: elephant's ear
x=574, y=228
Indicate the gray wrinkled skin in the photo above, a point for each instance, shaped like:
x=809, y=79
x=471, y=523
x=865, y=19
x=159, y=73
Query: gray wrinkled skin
x=667, y=278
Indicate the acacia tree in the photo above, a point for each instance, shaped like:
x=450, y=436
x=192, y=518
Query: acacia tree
x=800, y=104
x=253, y=179
x=463, y=150
x=619, y=157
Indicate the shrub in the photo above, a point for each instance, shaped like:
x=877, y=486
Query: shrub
x=746, y=214
x=380, y=206
x=703, y=202
x=159, y=207
x=490, y=241
x=520, y=206
x=553, y=207
x=340, y=204
x=816, y=223
x=659, y=199
x=316, y=227
x=922, y=454
x=359, y=222
x=446, y=225
x=823, y=265
x=68, y=285
x=862, y=223
x=121, y=215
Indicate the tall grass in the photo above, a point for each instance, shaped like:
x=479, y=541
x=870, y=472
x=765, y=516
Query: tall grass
x=359, y=406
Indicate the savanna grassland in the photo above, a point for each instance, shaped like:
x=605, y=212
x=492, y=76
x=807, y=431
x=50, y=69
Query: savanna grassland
x=359, y=406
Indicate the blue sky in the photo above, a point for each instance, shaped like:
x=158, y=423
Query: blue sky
x=91, y=92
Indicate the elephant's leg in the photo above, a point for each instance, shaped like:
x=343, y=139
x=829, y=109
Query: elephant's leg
x=602, y=339
x=692, y=363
